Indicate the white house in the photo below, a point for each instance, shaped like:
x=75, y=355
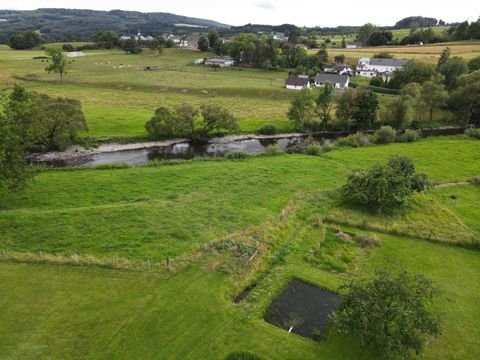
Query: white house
x=371, y=67
x=339, y=82
x=354, y=45
x=220, y=61
x=299, y=82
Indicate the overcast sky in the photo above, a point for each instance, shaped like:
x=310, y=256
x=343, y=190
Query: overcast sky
x=275, y=12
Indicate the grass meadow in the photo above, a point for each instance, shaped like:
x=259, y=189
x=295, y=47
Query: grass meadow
x=271, y=203
x=118, y=96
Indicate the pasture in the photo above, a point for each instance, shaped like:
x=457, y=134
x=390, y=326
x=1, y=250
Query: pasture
x=426, y=53
x=118, y=96
x=187, y=211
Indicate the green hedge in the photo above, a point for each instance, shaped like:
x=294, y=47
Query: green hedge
x=377, y=89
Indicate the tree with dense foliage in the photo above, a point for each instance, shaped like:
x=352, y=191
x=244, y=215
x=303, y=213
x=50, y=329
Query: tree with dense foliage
x=24, y=41
x=413, y=71
x=46, y=123
x=302, y=110
x=363, y=110
x=162, y=124
x=58, y=63
x=390, y=313
x=189, y=121
x=474, y=64
x=203, y=43
x=131, y=46
x=452, y=69
x=365, y=32
x=213, y=37
x=106, y=39
x=325, y=104
x=433, y=95
x=355, y=111
x=380, y=38
x=14, y=169
x=465, y=100
x=384, y=187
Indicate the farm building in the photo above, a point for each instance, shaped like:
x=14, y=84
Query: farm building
x=339, y=82
x=354, y=45
x=220, y=61
x=138, y=37
x=371, y=67
x=341, y=69
x=297, y=82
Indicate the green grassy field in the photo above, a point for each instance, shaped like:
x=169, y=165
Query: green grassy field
x=118, y=96
x=272, y=203
x=125, y=96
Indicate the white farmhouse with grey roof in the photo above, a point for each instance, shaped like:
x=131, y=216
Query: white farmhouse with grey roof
x=225, y=61
x=339, y=82
x=371, y=67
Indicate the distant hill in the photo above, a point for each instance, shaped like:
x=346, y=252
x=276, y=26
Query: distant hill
x=417, y=21
x=69, y=25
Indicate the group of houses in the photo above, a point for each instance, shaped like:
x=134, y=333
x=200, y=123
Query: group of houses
x=338, y=75
x=138, y=37
x=300, y=82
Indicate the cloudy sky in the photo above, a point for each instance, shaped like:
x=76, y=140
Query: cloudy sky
x=299, y=12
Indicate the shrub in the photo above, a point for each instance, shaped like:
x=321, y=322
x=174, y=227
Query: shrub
x=390, y=313
x=242, y=355
x=314, y=150
x=355, y=140
x=385, y=135
x=410, y=136
x=328, y=147
x=237, y=156
x=473, y=133
x=268, y=129
x=272, y=149
x=384, y=187
x=68, y=47
x=376, y=81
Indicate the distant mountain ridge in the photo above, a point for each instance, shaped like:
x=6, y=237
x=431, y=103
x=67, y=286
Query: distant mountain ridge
x=71, y=24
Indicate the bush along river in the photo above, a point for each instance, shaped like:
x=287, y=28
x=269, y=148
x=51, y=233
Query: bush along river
x=182, y=149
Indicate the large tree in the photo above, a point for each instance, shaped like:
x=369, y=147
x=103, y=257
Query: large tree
x=302, y=110
x=24, y=41
x=433, y=95
x=365, y=32
x=357, y=108
x=325, y=104
x=203, y=43
x=213, y=37
x=452, y=69
x=390, y=313
x=465, y=100
x=384, y=187
x=413, y=71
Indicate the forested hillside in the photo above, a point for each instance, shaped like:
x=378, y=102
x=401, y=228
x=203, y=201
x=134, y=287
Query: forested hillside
x=67, y=24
